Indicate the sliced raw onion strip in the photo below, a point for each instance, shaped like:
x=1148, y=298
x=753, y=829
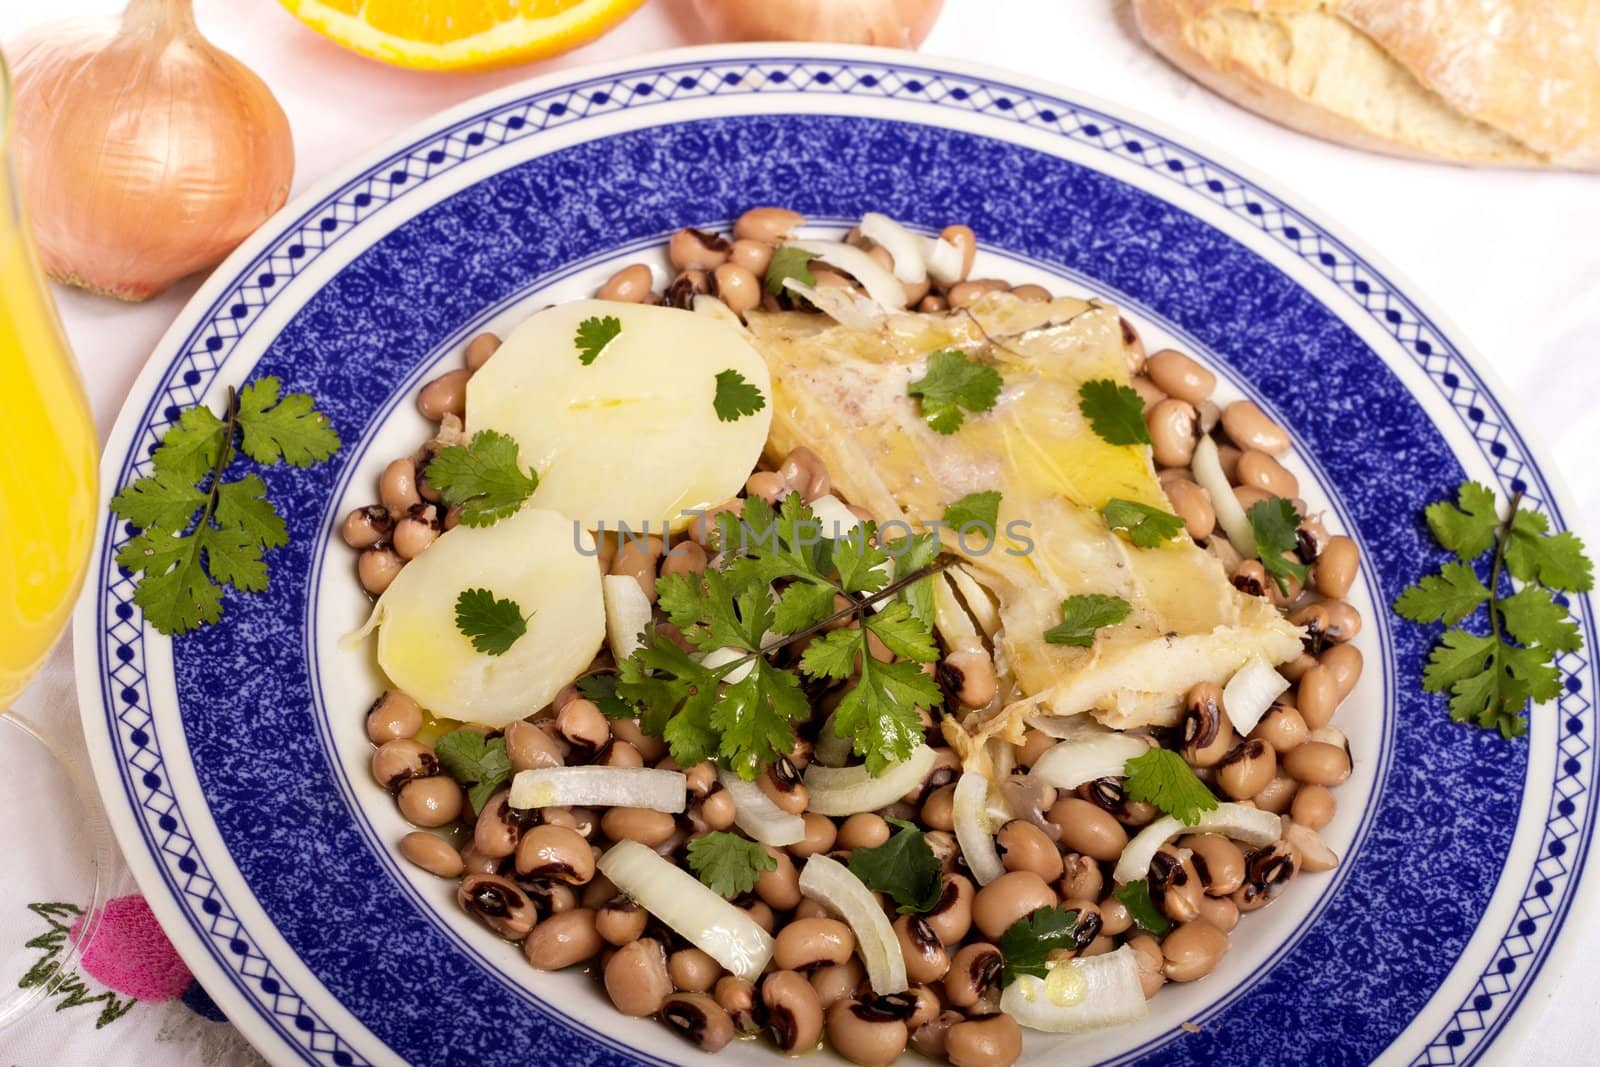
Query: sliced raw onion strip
x=1207, y=466
x=586, y=787
x=974, y=832
x=1072, y=762
x=944, y=261
x=844, y=306
x=847, y=790
x=1087, y=993
x=836, y=518
x=1252, y=826
x=903, y=246
x=756, y=814
x=830, y=750
x=721, y=657
x=880, y=284
x=1250, y=693
x=677, y=898
x=627, y=614
x=831, y=883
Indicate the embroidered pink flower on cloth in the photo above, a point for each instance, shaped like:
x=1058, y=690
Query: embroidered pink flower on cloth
x=131, y=955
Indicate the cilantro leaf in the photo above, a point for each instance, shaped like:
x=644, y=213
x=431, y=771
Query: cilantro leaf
x=482, y=478
x=290, y=429
x=911, y=555
x=1115, y=412
x=478, y=763
x=1135, y=896
x=1028, y=943
x=755, y=717
x=901, y=632
x=198, y=531
x=727, y=863
x=860, y=562
x=1449, y=596
x=1459, y=655
x=1468, y=530
x=601, y=691
x=1162, y=778
x=735, y=397
x=953, y=386
x=1144, y=525
x=1275, y=524
x=879, y=713
x=788, y=262
x=1532, y=616
x=975, y=509
x=800, y=605
x=1555, y=560
x=1082, y=615
x=594, y=333
x=903, y=867
x=493, y=624
x=833, y=655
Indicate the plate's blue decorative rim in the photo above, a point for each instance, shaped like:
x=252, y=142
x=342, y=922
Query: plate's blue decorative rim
x=120, y=681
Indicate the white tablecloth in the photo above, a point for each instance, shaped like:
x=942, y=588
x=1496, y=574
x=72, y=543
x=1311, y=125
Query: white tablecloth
x=1512, y=258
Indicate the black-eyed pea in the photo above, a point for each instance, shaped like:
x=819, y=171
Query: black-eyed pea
x=475, y=862
x=1175, y=884
x=699, y=1020
x=1035, y=743
x=413, y=534
x=1192, y=950
x=653, y=749
x=1282, y=727
x=966, y=293
x=1220, y=912
x=863, y=830
x=717, y=809
x=834, y=982
x=686, y=557
x=753, y=256
x=643, y=825
x=933, y=303
x=993, y=1040
x=816, y=942
x=820, y=836
x=1008, y=898
x=432, y=853
x=1344, y=662
x=692, y=249
x=770, y=225
x=925, y=955
x=630, y=285
x=555, y=853
x=529, y=746
x=760, y=913
x=365, y=527
x=810, y=909
x=1313, y=806
x=1248, y=497
x=583, y=725
x=1315, y=855
x=431, y=802
x=737, y=997
x=767, y=485
x=1032, y=294
x=926, y=1005
x=781, y=783
x=498, y=827
x=1248, y=427
x=1261, y=471
x=637, y=558
x=1149, y=392
x=1246, y=770
x=1147, y=954
x=636, y=977
x=736, y=287
x=499, y=904
x=779, y=887
x=974, y=971
x=1193, y=505
x=1276, y=795
x=394, y=763
x=951, y=918
x=1179, y=376
x=1115, y=918
x=376, y=567
x=480, y=348
x=394, y=716
x=693, y=970
x=794, y=1011
x=1317, y=697
x=805, y=472
x=445, y=395
x=1318, y=763
x=562, y=940
x=620, y=921
x=1025, y=847
x=397, y=488
x=966, y=242
x=938, y=810
x=929, y=1038
x=1081, y=877
x=1173, y=425
x=1207, y=732
x=1088, y=829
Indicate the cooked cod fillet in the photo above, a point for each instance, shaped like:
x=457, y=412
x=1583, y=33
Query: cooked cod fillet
x=842, y=392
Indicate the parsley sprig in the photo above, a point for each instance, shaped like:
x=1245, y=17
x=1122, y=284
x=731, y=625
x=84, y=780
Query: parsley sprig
x=1161, y=777
x=727, y=863
x=199, y=531
x=1491, y=677
x=483, y=478
x=952, y=387
x=746, y=723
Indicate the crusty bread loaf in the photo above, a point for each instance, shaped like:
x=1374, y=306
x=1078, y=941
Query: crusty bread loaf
x=1508, y=82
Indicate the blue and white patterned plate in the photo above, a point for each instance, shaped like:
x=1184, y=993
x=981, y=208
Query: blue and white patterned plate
x=233, y=760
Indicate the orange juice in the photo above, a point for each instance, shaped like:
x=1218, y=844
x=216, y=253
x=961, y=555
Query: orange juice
x=47, y=461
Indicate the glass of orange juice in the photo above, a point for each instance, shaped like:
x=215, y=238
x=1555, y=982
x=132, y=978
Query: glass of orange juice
x=48, y=460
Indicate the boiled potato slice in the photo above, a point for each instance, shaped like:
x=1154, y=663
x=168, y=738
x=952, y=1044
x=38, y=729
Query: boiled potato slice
x=532, y=558
x=633, y=435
